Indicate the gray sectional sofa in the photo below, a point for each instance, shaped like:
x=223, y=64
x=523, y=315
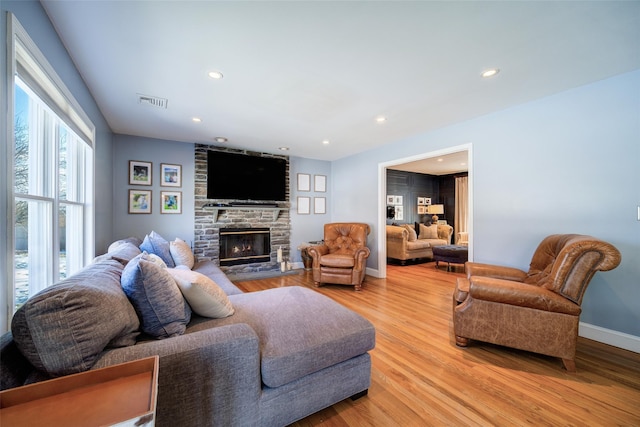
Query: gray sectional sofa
x=282, y=355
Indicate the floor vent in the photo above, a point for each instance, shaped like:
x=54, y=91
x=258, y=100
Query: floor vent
x=154, y=101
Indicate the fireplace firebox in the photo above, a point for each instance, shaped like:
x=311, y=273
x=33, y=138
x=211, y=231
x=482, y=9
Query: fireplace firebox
x=244, y=245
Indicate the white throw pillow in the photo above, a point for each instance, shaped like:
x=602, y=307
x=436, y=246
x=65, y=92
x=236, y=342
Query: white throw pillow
x=430, y=232
x=204, y=296
x=181, y=253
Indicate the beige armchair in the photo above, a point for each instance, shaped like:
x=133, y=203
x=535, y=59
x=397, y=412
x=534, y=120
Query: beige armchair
x=538, y=310
x=343, y=257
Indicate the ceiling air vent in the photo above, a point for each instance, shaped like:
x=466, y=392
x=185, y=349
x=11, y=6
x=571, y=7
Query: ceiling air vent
x=153, y=101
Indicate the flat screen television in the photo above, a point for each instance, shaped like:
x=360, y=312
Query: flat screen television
x=241, y=177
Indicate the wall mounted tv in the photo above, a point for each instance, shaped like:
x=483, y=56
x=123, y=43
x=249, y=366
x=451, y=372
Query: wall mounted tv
x=243, y=177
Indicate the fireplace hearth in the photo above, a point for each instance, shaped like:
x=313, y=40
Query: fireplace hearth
x=244, y=246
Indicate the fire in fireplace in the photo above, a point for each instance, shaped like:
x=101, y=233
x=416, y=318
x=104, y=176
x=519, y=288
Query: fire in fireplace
x=244, y=245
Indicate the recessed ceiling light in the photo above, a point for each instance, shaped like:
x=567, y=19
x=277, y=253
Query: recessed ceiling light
x=441, y=159
x=215, y=75
x=220, y=139
x=490, y=72
x=325, y=142
x=381, y=119
x=196, y=119
x=283, y=148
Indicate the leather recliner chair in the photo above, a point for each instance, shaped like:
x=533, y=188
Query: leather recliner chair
x=343, y=256
x=538, y=310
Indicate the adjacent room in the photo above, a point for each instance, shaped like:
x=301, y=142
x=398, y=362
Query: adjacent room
x=306, y=213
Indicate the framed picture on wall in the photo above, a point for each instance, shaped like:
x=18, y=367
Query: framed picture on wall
x=304, y=182
x=139, y=201
x=319, y=205
x=304, y=205
x=170, y=175
x=422, y=210
x=421, y=201
x=139, y=172
x=399, y=213
x=320, y=183
x=427, y=201
x=171, y=202
x=391, y=200
x=397, y=200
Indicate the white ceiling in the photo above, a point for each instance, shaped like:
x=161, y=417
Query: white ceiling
x=438, y=165
x=297, y=73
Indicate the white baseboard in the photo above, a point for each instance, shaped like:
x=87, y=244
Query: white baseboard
x=609, y=336
x=373, y=272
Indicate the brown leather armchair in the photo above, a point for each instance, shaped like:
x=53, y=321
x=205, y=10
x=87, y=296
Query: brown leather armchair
x=538, y=310
x=343, y=256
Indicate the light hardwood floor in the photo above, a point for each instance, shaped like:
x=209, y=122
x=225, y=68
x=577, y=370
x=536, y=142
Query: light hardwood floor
x=420, y=378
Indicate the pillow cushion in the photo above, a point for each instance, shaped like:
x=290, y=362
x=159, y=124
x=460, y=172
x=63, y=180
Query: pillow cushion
x=154, y=294
x=123, y=253
x=181, y=253
x=156, y=244
x=156, y=260
x=62, y=329
x=133, y=240
x=412, y=232
x=428, y=232
x=204, y=296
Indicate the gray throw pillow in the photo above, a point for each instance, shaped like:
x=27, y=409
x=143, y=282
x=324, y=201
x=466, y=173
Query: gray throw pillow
x=156, y=244
x=62, y=329
x=156, y=297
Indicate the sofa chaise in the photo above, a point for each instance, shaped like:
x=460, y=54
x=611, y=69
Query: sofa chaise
x=407, y=241
x=270, y=357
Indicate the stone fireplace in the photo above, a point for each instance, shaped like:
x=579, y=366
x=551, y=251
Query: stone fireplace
x=214, y=224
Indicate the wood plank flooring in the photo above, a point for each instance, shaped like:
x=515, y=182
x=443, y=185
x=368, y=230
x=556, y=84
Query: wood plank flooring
x=420, y=377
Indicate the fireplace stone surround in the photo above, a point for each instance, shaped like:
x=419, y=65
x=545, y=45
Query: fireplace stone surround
x=208, y=224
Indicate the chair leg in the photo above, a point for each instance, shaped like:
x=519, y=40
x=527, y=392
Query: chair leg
x=462, y=341
x=358, y=287
x=569, y=364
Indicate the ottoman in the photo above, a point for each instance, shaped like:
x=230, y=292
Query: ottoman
x=455, y=254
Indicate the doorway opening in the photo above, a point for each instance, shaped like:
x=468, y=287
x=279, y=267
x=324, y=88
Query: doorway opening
x=409, y=163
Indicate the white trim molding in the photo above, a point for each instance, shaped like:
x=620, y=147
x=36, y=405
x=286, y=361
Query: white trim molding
x=610, y=337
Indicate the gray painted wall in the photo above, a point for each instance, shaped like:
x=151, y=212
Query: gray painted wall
x=156, y=151
x=563, y=164
x=305, y=228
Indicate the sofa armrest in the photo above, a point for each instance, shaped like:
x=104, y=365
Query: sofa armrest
x=361, y=256
x=209, y=377
x=398, y=233
x=315, y=252
x=520, y=294
x=496, y=271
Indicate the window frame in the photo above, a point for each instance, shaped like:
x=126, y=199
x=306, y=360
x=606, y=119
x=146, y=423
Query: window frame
x=24, y=55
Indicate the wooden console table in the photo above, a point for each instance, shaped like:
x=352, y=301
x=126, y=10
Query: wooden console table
x=123, y=395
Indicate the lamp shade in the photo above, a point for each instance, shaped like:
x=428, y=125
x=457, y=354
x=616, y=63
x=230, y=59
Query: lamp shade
x=435, y=209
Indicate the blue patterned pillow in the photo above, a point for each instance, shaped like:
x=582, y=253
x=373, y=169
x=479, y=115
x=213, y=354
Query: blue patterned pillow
x=156, y=298
x=156, y=244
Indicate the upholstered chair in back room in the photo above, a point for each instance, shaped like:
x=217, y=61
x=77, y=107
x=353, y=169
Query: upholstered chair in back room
x=342, y=259
x=538, y=310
